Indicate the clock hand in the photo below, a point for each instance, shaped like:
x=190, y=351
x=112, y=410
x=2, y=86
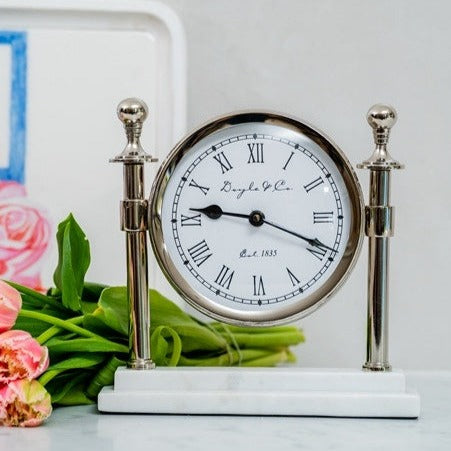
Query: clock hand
x=312, y=241
x=215, y=212
x=257, y=218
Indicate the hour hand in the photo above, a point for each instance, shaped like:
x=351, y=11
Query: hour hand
x=215, y=212
x=212, y=211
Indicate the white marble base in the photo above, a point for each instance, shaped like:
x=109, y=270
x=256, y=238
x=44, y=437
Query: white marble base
x=261, y=391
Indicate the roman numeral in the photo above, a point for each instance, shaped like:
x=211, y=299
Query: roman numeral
x=313, y=184
x=289, y=158
x=204, y=189
x=223, y=161
x=225, y=277
x=294, y=280
x=191, y=220
x=256, y=153
x=199, y=252
x=323, y=217
x=318, y=252
x=259, y=288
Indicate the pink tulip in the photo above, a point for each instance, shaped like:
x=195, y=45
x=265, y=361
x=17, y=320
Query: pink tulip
x=21, y=356
x=24, y=403
x=10, y=304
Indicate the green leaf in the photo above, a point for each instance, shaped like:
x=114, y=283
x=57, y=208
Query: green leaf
x=87, y=306
x=92, y=291
x=113, y=309
x=73, y=262
x=194, y=334
x=234, y=357
x=75, y=397
x=34, y=327
x=38, y=299
x=113, y=312
x=67, y=389
x=105, y=376
x=160, y=346
x=77, y=362
x=98, y=326
x=268, y=339
x=84, y=345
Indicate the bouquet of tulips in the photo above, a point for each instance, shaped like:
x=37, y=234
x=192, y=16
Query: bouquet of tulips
x=83, y=328
x=23, y=400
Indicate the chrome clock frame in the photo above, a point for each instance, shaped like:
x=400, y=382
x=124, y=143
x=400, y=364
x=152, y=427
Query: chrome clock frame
x=279, y=315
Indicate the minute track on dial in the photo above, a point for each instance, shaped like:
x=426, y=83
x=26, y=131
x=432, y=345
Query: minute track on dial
x=257, y=218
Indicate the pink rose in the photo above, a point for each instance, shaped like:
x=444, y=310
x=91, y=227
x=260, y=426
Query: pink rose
x=24, y=403
x=10, y=304
x=24, y=236
x=21, y=357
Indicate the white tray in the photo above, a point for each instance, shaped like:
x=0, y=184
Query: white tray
x=77, y=61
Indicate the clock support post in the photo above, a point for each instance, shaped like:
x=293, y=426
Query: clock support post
x=133, y=213
x=379, y=228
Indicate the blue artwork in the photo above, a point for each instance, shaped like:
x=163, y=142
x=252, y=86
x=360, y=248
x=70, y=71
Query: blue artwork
x=15, y=171
x=25, y=228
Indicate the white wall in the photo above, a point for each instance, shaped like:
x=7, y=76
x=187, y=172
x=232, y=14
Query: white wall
x=327, y=62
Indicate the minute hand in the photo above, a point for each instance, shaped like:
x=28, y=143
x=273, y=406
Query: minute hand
x=312, y=241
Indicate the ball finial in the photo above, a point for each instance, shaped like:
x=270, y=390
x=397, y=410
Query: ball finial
x=132, y=111
x=381, y=119
x=381, y=116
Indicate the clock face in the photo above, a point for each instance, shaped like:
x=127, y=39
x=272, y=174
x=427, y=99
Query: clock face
x=256, y=218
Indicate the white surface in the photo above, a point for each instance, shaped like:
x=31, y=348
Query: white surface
x=82, y=428
x=83, y=58
x=261, y=391
x=327, y=62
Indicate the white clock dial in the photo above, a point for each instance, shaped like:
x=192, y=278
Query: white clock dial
x=256, y=221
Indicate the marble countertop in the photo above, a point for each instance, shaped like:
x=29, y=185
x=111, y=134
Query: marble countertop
x=83, y=428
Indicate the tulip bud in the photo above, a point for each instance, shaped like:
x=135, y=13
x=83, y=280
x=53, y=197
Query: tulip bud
x=24, y=403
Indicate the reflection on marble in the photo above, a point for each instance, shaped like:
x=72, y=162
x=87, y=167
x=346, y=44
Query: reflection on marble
x=83, y=428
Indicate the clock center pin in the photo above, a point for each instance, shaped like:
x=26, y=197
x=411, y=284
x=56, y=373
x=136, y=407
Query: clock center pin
x=257, y=218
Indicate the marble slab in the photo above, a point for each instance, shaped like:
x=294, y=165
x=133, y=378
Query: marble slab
x=261, y=391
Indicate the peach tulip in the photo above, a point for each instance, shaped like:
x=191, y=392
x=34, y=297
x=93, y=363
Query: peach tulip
x=24, y=403
x=21, y=356
x=10, y=304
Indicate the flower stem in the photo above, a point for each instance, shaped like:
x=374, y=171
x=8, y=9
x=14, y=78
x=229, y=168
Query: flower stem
x=64, y=324
x=55, y=330
x=48, y=376
x=270, y=360
x=264, y=340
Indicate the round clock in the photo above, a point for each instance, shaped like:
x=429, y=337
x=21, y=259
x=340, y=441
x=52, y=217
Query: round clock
x=256, y=218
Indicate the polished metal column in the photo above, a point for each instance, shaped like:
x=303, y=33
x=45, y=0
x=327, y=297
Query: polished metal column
x=379, y=228
x=133, y=212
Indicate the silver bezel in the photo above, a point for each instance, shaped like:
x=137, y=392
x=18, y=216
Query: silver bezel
x=297, y=309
